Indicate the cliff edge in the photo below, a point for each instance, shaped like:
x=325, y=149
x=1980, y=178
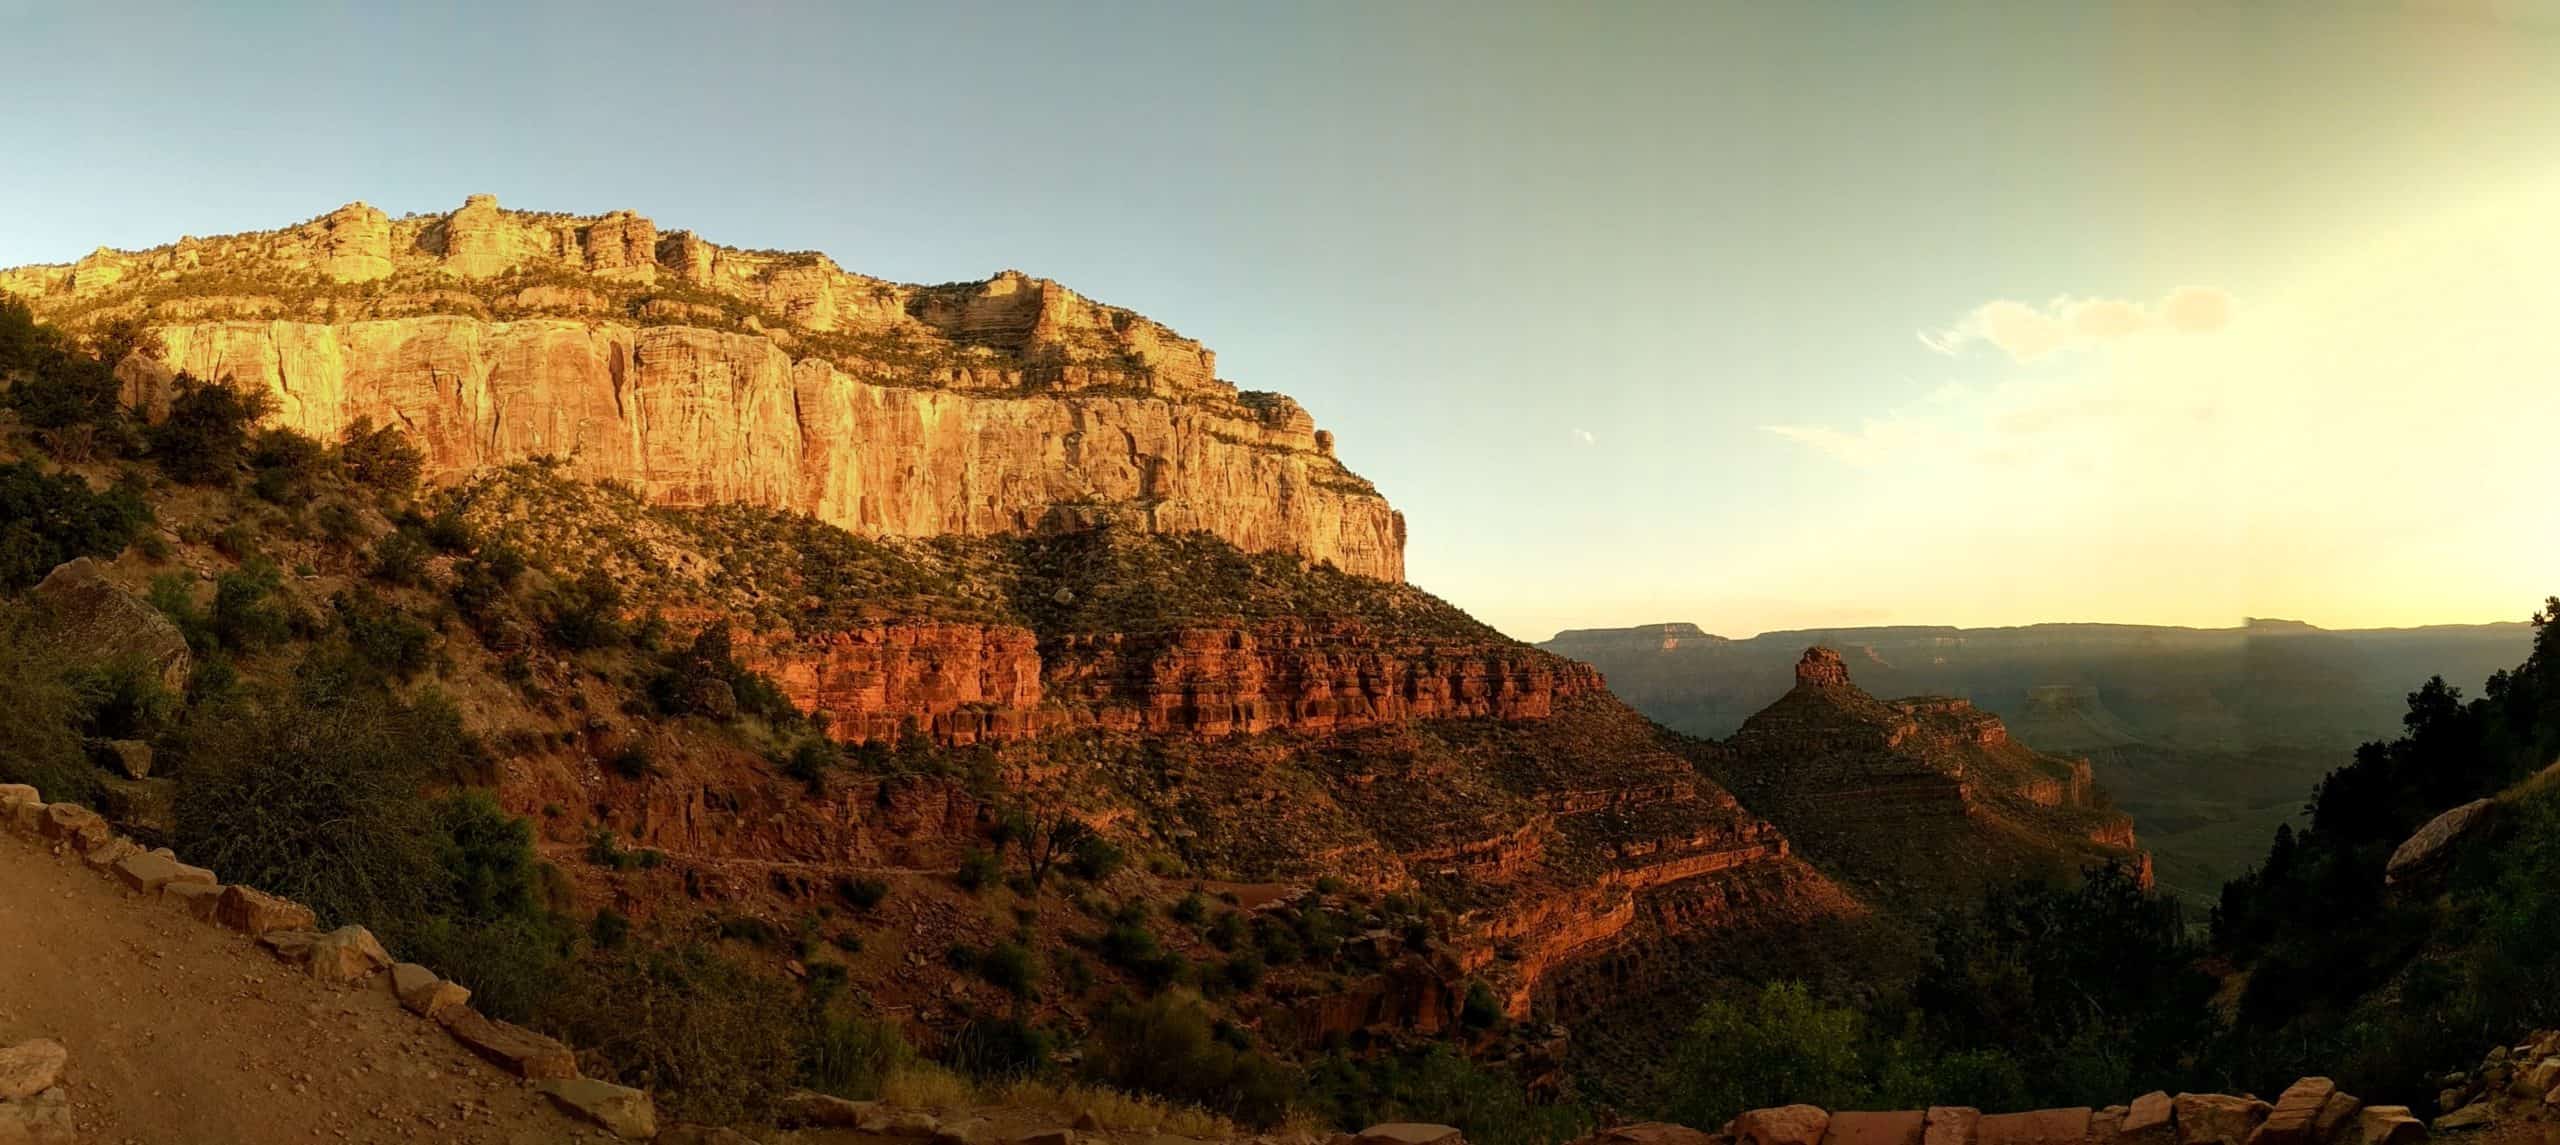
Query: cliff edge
x=699, y=373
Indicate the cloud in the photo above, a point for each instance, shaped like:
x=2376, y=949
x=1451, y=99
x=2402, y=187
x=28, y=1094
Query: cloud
x=1585, y=437
x=2027, y=332
x=1874, y=442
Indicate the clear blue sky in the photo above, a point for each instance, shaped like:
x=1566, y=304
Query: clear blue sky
x=1640, y=312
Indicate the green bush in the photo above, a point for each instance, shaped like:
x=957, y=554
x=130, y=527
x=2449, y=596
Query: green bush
x=400, y=558
x=863, y=893
x=1481, y=1009
x=39, y=717
x=1168, y=1046
x=205, y=436
x=1012, y=967
x=1439, y=1086
x=287, y=465
x=1776, y=1047
x=381, y=457
x=977, y=870
x=46, y=520
x=317, y=797
x=715, y=1041
x=850, y=1057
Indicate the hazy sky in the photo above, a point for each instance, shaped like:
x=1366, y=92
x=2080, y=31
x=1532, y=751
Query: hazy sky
x=1753, y=315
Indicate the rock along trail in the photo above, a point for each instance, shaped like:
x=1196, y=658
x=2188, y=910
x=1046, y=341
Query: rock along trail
x=186, y=1034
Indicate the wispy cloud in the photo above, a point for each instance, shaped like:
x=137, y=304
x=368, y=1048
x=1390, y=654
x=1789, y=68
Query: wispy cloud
x=1585, y=437
x=1873, y=443
x=2027, y=332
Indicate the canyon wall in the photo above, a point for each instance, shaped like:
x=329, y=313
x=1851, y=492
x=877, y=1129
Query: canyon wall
x=699, y=374
x=968, y=683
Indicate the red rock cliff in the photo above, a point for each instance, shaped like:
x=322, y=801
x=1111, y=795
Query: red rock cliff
x=698, y=373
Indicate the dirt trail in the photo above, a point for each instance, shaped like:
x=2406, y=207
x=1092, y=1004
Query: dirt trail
x=182, y=1033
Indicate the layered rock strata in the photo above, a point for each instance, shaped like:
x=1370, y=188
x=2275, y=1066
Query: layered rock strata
x=698, y=374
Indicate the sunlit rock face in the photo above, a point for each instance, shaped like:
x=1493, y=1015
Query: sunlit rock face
x=698, y=373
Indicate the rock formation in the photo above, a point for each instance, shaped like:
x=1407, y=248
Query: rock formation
x=1918, y=797
x=700, y=374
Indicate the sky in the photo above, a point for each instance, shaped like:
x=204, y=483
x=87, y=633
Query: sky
x=1756, y=316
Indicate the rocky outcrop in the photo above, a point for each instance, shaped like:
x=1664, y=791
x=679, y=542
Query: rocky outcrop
x=1921, y=796
x=969, y=683
x=90, y=618
x=2311, y=1112
x=2431, y=849
x=1005, y=406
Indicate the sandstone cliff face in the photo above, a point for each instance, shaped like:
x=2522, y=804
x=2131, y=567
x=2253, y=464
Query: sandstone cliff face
x=961, y=684
x=701, y=374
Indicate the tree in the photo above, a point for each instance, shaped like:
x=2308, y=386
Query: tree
x=206, y=435
x=383, y=458
x=1772, y=1048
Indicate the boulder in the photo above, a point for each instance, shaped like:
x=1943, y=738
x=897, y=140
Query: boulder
x=149, y=873
x=44, y=1119
x=130, y=758
x=421, y=992
x=347, y=954
x=103, y=855
x=906, y=1123
x=2037, y=1127
x=2147, y=1121
x=1046, y=1137
x=2217, y=1117
x=2297, y=1111
x=2387, y=1125
x=28, y=817
x=1951, y=1125
x=29, y=1068
x=511, y=1047
x=71, y=823
x=826, y=1111
x=2337, y=1118
x=12, y=794
x=142, y=806
x=200, y=899
x=624, y=1112
x=2472, y=1116
x=255, y=912
x=702, y=1135
x=1783, y=1125
x=1648, y=1133
x=1853, y=1128
x=2432, y=847
x=292, y=946
x=1413, y=1133
x=90, y=619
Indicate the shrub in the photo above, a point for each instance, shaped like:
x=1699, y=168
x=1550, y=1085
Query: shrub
x=610, y=929
x=587, y=612
x=633, y=761
x=1191, y=909
x=205, y=436
x=400, y=558
x=245, y=616
x=863, y=893
x=383, y=639
x=1778, y=1046
x=315, y=796
x=852, y=1057
x=1096, y=859
x=39, y=740
x=1481, y=1009
x=1000, y=1048
x=46, y=520
x=715, y=1041
x=1167, y=1046
x=381, y=457
x=1011, y=967
x=977, y=869
x=287, y=465
x=122, y=698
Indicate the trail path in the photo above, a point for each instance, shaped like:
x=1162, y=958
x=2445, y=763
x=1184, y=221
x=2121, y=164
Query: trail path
x=186, y=1034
